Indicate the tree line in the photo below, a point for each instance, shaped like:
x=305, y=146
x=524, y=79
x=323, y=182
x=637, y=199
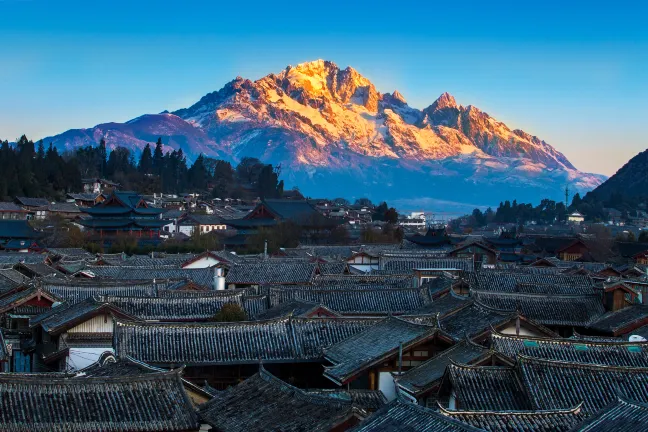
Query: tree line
x=34, y=170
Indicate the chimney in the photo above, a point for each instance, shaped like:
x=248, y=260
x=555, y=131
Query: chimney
x=219, y=279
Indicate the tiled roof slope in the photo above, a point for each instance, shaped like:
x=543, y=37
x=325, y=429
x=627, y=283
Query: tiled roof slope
x=77, y=290
x=573, y=350
x=360, y=351
x=556, y=385
x=423, y=376
x=400, y=416
x=174, y=308
x=531, y=283
x=487, y=388
x=203, y=277
x=263, y=402
x=271, y=272
x=563, y=310
x=282, y=340
x=409, y=264
x=613, y=322
x=621, y=415
x=394, y=281
x=368, y=400
x=472, y=320
x=356, y=301
x=152, y=402
x=527, y=421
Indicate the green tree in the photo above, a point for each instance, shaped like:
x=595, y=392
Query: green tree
x=146, y=160
x=391, y=215
x=198, y=176
x=230, y=312
x=158, y=157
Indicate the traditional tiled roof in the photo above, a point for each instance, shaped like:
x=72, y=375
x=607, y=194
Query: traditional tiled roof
x=313, y=335
x=486, y=388
x=393, y=281
x=555, y=385
x=357, y=301
x=7, y=206
x=424, y=376
x=69, y=316
x=282, y=340
x=563, y=310
x=621, y=415
x=77, y=290
x=16, y=229
x=263, y=402
x=16, y=257
x=531, y=283
x=10, y=279
x=527, y=421
x=255, y=305
x=128, y=366
x=472, y=320
x=621, y=321
x=174, y=308
x=32, y=202
x=368, y=400
x=151, y=402
x=294, y=307
x=443, y=305
x=573, y=350
x=335, y=252
x=16, y=299
x=203, y=277
x=39, y=269
x=408, y=264
x=70, y=252
x=63, y=207
x=331, y=268
x=272, y=272
x=173, y=261
x=408, y=417
x=373, y=345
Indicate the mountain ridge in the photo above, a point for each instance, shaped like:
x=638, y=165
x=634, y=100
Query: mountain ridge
x=323, y=123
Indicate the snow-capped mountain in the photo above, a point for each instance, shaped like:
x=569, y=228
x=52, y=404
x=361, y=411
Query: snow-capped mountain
x=335, y=135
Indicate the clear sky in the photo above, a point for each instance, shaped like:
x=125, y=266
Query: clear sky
x=573, y=73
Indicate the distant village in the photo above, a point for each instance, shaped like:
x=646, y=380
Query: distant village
x=178, y=312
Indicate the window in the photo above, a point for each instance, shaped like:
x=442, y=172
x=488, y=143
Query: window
x=530, y=343
x=420, y=353
x=581, y=347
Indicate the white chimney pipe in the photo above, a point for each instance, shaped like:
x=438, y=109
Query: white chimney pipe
x=219, y=279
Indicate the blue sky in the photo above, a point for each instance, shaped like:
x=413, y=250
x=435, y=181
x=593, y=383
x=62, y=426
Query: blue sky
x=573, y=74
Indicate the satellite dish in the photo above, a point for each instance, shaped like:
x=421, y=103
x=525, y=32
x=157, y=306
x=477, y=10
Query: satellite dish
x=637, y=338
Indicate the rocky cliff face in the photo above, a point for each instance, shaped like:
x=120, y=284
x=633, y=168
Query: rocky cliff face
x=322, y=122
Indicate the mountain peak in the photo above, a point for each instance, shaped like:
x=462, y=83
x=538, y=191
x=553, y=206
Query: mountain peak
x=446, y=100
x=398, y=96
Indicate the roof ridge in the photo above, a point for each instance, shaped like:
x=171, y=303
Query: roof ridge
x=521, y=358
x=575, y=410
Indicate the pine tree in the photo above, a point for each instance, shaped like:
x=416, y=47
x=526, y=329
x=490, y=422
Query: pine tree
x=146, y=160
x=103, y=157
x=158, y=158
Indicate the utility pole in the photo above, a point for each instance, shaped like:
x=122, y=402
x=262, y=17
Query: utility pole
x=567, y=196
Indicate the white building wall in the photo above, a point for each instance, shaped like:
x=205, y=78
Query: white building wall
x=205, y=262
x=80, y=358
x=98, y=324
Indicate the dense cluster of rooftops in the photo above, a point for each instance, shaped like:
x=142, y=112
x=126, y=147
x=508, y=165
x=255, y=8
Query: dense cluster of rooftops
x=334, y=338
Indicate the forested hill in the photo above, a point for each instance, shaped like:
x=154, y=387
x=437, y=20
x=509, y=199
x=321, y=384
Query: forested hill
x=34, y=170
x=630, y=181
